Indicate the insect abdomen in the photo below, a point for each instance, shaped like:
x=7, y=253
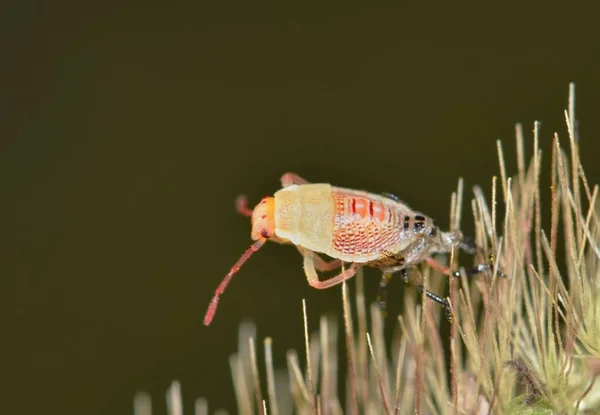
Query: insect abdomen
x=365, y=226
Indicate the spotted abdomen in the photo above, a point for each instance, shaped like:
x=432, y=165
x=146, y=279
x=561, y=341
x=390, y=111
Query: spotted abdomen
x=366, y=226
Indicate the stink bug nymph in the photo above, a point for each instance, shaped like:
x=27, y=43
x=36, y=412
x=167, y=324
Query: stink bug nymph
x=351, y=226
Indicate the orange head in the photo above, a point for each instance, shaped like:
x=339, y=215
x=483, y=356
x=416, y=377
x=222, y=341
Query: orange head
x=263, y=219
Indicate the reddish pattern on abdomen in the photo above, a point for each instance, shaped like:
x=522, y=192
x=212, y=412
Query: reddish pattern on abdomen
x=363, y=226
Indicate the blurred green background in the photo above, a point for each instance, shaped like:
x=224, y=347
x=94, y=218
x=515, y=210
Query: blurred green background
x=127, y=132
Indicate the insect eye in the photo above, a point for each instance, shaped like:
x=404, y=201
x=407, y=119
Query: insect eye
x=265, y=233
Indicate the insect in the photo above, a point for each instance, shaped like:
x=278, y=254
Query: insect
x=350, y=226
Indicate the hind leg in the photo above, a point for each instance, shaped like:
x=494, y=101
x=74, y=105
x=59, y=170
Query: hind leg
x=313, y=278
x=321, y=264
x=432, y=296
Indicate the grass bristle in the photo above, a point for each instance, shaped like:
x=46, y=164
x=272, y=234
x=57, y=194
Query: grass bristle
x=528, y=342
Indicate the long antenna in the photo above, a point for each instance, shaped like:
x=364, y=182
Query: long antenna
x=212, y=307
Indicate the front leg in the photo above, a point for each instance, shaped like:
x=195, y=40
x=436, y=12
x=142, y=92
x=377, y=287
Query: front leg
x=290, y=178
x=313, y=278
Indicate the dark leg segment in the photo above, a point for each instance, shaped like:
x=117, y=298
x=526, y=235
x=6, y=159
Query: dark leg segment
x=478, y=269
x=483, y=268
x=469, y=246
x=430, y=295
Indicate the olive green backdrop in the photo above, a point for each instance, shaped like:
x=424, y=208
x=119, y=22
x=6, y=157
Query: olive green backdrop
x=127, y=132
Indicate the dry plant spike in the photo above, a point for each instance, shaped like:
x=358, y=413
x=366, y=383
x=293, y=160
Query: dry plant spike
x=174, y=402
x=255, y=375
x=325, y=394
x=274, y=409
x=296, y=377
x=483, y=210
x=241, y=368
x=573, y=139
x=309, y=376
x=377, y=335
x=384, y=402
x=575, y=185
x=502, y=176
x=453, y=209
x=453, y=369
x=454, y=358
x=588, y=237
x=569, y=237
x=459, y=202
x=242, y=390
x=584, y=394
x=351, y=350
x=328, y=367
x=435, y=349
x=315, y=359
x=520, y=154
x=538, y=210
x=421, y=346
x=572, y=119
x=528, y=378
x=408, y=393
x=142, y=404
x=555, y=195
x=361, y=355
x=494, y=202
x=200, y=406
x=399, y=368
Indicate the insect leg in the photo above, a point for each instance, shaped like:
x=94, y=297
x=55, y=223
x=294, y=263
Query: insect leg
x=382, y=296
x=439, y=267
x=290, y=178
x=323, y=265
x=478, y=269
x=241, y=205
x=432, y=296
x=313, y=277
x=468, y=245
